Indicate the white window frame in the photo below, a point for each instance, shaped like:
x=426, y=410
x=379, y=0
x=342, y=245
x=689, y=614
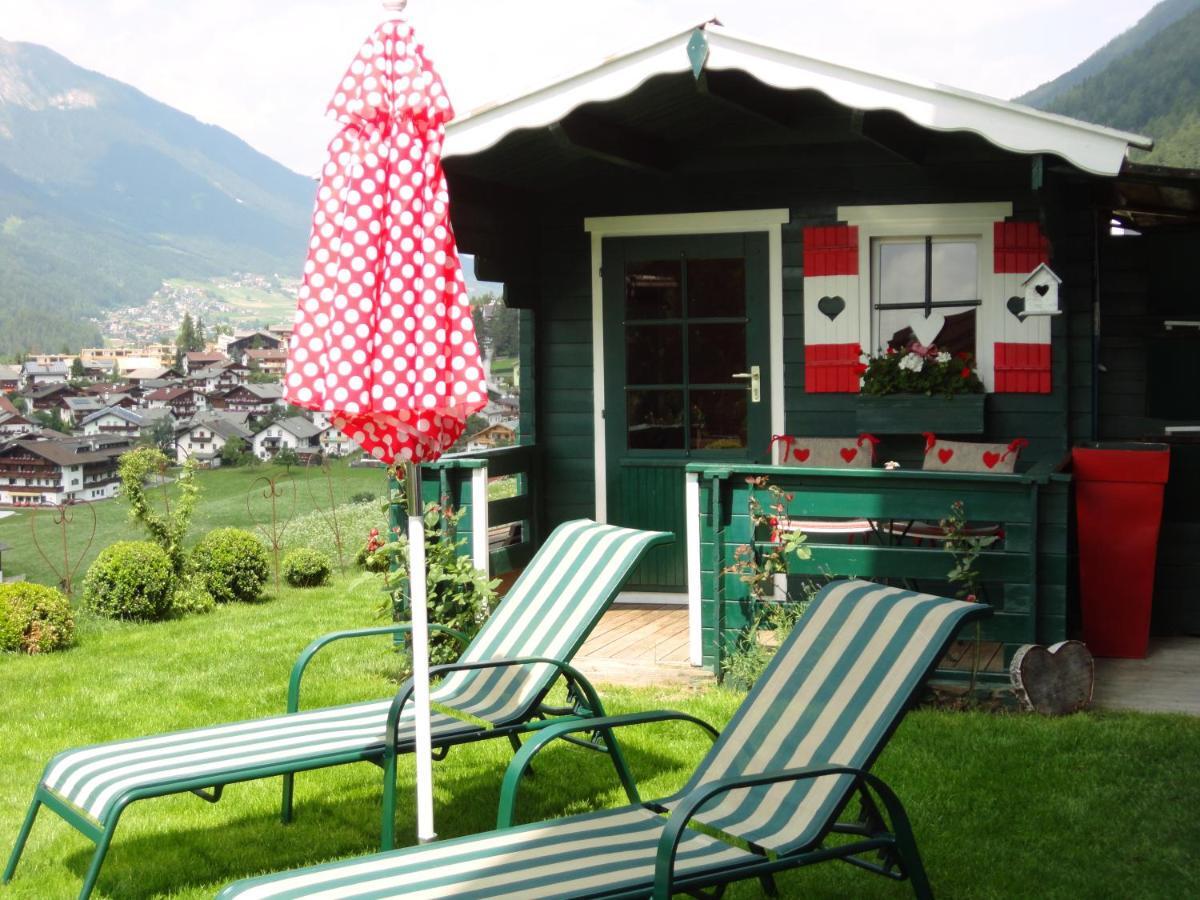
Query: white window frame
x=938, y=219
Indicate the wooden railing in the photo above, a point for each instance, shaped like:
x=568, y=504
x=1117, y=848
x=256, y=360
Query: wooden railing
x=1024, y=573
x=502, y=533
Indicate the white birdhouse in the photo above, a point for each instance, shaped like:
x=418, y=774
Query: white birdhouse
x=1041, y=292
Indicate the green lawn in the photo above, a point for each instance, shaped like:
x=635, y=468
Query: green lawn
x=222, y=502
x=1004, y=806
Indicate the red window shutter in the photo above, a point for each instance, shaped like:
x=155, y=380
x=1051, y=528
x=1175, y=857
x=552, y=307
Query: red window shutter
x=830, y=250
x=831, y=368
x=1022, y=368
x=1019, y=247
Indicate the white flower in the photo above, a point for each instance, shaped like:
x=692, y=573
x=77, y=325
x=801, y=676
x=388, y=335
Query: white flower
x=914, y=362
x=944, y=357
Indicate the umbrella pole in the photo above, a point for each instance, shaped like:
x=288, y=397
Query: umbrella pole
x=423, y=748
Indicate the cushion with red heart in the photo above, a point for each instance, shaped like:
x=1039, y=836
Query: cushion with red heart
x=836, y=453
x=971, y=456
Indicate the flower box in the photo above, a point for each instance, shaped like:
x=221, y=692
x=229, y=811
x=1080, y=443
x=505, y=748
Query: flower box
x=915, y=413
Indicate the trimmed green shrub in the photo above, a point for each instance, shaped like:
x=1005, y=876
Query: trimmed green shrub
x=233, y=565
x=34, y=619
x=130, y=580
x=192, y=597
x=304, y=567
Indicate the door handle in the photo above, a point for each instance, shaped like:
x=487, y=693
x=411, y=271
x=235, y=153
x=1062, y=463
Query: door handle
x=754, y=376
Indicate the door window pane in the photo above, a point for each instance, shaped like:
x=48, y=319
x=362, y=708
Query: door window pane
x=718, y=419
x=716, y=288
x=653, y=290
x=653, y=354
x=655, y=419
x=715, y=353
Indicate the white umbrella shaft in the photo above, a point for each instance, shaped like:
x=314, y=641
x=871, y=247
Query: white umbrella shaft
x=423, y=749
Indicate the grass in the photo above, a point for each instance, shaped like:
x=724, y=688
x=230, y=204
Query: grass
x=1003, y=806
x=223, y=500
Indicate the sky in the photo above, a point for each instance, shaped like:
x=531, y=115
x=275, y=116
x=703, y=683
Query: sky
x=265, y=69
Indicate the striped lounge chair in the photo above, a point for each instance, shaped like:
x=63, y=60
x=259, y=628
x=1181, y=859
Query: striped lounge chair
x=777, y=780
x=496, y=689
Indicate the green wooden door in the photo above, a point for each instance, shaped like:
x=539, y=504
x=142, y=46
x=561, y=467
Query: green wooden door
x=687, y=372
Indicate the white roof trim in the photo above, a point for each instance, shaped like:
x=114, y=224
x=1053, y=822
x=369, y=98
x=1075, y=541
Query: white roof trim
x=1093, y=148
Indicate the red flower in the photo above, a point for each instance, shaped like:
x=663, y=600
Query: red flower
x=966, y=372
x=891, y=351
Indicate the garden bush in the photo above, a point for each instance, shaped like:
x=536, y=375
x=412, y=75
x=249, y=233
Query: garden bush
x=192, y=596
x=130, y=580
x=233, y=565
x=34, y=619
x=305, y=567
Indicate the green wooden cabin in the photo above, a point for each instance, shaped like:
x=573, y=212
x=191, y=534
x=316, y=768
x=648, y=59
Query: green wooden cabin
x=701, y=235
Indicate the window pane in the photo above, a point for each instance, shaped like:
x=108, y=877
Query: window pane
x=715, y=353
x=652, y=290
x=902, y=272
x=653, y=354
x=955, y=271
x=718, y=419
x=716, y=287
x=655, y=420
x=956, y=335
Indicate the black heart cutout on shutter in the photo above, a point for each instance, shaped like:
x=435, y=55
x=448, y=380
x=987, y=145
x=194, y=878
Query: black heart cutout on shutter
x=1016, y=306
x=831, y=306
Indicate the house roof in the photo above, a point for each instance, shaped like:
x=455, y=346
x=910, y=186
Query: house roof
x=147, y=374
x=9, y=373
x=222, y=426
x=6, y=406
x=265, y=391
x=126, y=415
x=296, y=425
x=167, y=393
x=1092, y=148
x=68, y=451
x=58, y=368
x=205, y=356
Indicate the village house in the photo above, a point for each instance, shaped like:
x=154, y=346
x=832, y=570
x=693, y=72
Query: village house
x=128, y=358
x=204, y=439
x=13, y=425
x=267, y=361
x=36, y=375
x=498, y=435
x=10, y=379
x=202, y=359
x=294, y=433
x=75, y=409
x=334, y=442
x=129, y=423
x=50, y=472
x=49, y=396
x=219, y=378
x=255, y=399
x=182, y=401
x=236, y=345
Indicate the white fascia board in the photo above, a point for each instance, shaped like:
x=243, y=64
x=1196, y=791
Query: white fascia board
x=1092, y=148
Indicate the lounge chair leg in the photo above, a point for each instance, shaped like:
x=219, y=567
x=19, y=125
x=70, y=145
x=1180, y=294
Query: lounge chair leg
x=515, y=742
x=23, y=836
x=93, y=872
x=387, y=832
x=289, y=786
x=618, y=758
x=767, y=883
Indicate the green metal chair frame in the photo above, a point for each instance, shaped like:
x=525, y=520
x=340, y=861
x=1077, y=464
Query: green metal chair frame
x=534, y=678
x=799, y=821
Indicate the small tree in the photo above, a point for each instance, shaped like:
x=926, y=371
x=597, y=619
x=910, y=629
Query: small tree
x=162, y=436
x=286, y=457
x=235, y=453
x=168, y=526
x=78, y=372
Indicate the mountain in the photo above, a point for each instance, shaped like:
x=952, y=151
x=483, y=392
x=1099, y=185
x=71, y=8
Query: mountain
x=1160, y=16
x=1147, y=80
x=105, y=192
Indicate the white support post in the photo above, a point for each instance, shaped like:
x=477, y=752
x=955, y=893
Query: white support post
x=480, y=557
x=423, y=743
x=691, y=496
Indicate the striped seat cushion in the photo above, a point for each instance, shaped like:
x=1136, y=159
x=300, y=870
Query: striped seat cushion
x=831, y=696
x=596, y=854
x=548, y=612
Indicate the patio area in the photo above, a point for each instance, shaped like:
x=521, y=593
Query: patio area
x=640, y=644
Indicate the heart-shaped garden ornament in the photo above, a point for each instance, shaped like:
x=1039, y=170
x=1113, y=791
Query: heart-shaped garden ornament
x=925, y=329
x=1055, y=680
x=1016, y=306
x=831, y=307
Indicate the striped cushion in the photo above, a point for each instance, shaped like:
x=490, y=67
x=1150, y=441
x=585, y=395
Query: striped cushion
x=831, y=695
x=549, y=612
x=581, y=856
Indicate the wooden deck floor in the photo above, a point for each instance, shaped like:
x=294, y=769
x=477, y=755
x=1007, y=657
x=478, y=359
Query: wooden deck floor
x=1167, y=680
x=640, y=644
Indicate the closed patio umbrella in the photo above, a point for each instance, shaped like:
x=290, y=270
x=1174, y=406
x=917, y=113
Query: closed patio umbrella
x=384, y=340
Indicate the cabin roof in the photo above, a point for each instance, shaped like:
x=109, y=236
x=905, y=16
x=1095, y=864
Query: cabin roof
x=1092, y=148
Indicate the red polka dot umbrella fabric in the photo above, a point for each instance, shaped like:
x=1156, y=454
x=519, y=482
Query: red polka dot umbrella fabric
x=383, y=338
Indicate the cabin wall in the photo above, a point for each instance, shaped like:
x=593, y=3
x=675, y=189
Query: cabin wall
x=561, y=353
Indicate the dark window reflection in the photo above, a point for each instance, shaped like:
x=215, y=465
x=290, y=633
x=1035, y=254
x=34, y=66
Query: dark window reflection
x=957, y=335
x=715, y=353
x=653, y=290
x=655, y=420
x=716, y=288
x=718, y=419
x=654, y=354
